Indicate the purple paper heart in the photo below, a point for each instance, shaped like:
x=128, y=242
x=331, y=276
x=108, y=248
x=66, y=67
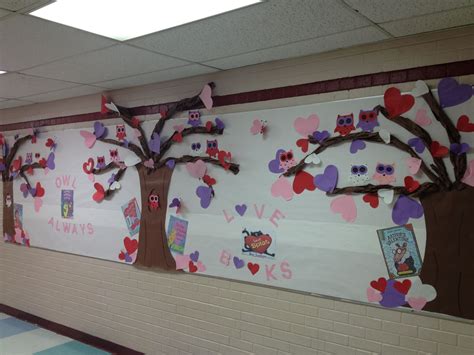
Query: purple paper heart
x=194, y=256
x=459, y=149
x=205, y=194
x=274, y=165
x=50, y=161
x=32, y=191
x=321, y=136
x=219, y=124
x=128, y=258
x=451, y=93
x=392, y=298
x=406, y=208
x=328, y=180
x=356, y=146
x=2, y=166
x=170, y=163
x=5, y=149
x=417, y=144
x=175, y=203
x=111, y=179
x=155, y=143
x=100, y=131
x=24, y=189
x=125, y=143
x=239, y=263
x=241, y=209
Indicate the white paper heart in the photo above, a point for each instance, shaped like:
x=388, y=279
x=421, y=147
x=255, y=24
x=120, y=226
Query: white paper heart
x=312, y=159
x=111, y=106
x=115, y=186
x=385, y=135
x=418, y=289
x=386, y=195
x=420, y=89
x=131, y=160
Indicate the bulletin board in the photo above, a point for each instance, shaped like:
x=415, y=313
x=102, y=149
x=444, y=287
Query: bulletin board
x=364, y=199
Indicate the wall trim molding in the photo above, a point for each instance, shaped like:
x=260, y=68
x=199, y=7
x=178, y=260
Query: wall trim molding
x=437, y=71
x=69, y=332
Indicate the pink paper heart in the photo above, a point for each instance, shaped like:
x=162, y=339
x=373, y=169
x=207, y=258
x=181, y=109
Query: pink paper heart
x=201, y=267
x=89, y=138
x=179, y=128
x=413, y=164
x=206, y=96
x=468, y=178
x=196, y=169
x=422, y=118
x=181, y=261
x=345, y=205
x=306, y=126
x=373, y=295
x=91, y=177
x=282, y=187
x=137, y=133
x=149, y=163
x=417, y=302
x=38, y=202
x=18, y=235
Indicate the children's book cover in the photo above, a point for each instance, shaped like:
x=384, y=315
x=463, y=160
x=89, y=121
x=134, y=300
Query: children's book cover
x=132, y=215
x=18, y=215
x=177, y=232
x=67, y=204
x=400, y=251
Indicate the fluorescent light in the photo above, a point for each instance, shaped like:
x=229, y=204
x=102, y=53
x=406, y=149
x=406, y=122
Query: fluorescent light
x=2, y=72
x=125, y=19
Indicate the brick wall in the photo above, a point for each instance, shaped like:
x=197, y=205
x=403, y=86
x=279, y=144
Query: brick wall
x=161, y=313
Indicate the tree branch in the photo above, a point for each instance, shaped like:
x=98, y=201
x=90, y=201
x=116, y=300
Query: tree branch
x=109, y=167
x=179, y=106
x=365, y=136
x=12, y=153
x=421, y=133
x=373, y=189
x=186, y=132
x=459, y=161
x=234, y=168
x=132, y=147
x=126, y=116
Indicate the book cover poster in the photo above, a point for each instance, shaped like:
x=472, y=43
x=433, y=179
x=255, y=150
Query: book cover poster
x=67, y=204
x=177, y=232
x=400, y=251
x=18, y=215
x=132, y=215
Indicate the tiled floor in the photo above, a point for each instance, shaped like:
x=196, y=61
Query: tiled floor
x=19, y=337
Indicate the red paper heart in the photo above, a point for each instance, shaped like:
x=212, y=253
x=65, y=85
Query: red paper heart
x=379, y=285
x=396, y=103
x=372, y=200
x=30, y=171
x=411, y=184
x=303, y=144
x=121, y=256
x=208, y=126
x=42, y=162
x=49, y=143
x=99, y=195
x=178, y=137
x=131, y=245
x=209, y=181
x=402, y=287
x=224, y=158
x=438, y=150
x=39, y=190
x=192, y=267
x=464, y=125
x=16, y=164
x=135, y=122
x=88, y=166
x=303, y=181
x=253, y=268
x=258, y=244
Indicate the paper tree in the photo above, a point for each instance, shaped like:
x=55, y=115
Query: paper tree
x=155, y=171
x=13, y=167
x=447, y=204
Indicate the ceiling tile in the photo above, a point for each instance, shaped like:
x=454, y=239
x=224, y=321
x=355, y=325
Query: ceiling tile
x=312, y=46
x=13, y=103
x=157, y=76
x=105, y=64
x=376, y=10
x=15, y=5
x=4, y=13
x=18, y=85
x=32, y=41
x=267, y=24
x=433, y=22
x=65, y=93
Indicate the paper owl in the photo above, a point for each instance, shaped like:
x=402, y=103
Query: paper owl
x=287, y=160
x=114, y=156
x=8, y=200
x=368, y=120
x=359, y=174
x=212, y=148
x=345, y=124
x=153, y=201
x=120, y=132
x=384, y=173
x=29, y=158
x=194, y=118
x=196, y=147
x=100, y=162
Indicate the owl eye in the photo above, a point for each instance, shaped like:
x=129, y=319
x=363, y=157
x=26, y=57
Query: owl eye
x=362, y=169
x=389, y=169
x=380, y=168
x=289, y=155
x=193, y=146
x=363, y=116
x=209, y=145
x=214, y=145
x=348, y=120
x=283, y=157
x=371, y=115
x=341, y=121
x=355, y=170
x=198, y=145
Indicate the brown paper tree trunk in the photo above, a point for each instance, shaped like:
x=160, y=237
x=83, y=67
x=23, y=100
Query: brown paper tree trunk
x=153, y=247
x=448, y=264
x=8, y=220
